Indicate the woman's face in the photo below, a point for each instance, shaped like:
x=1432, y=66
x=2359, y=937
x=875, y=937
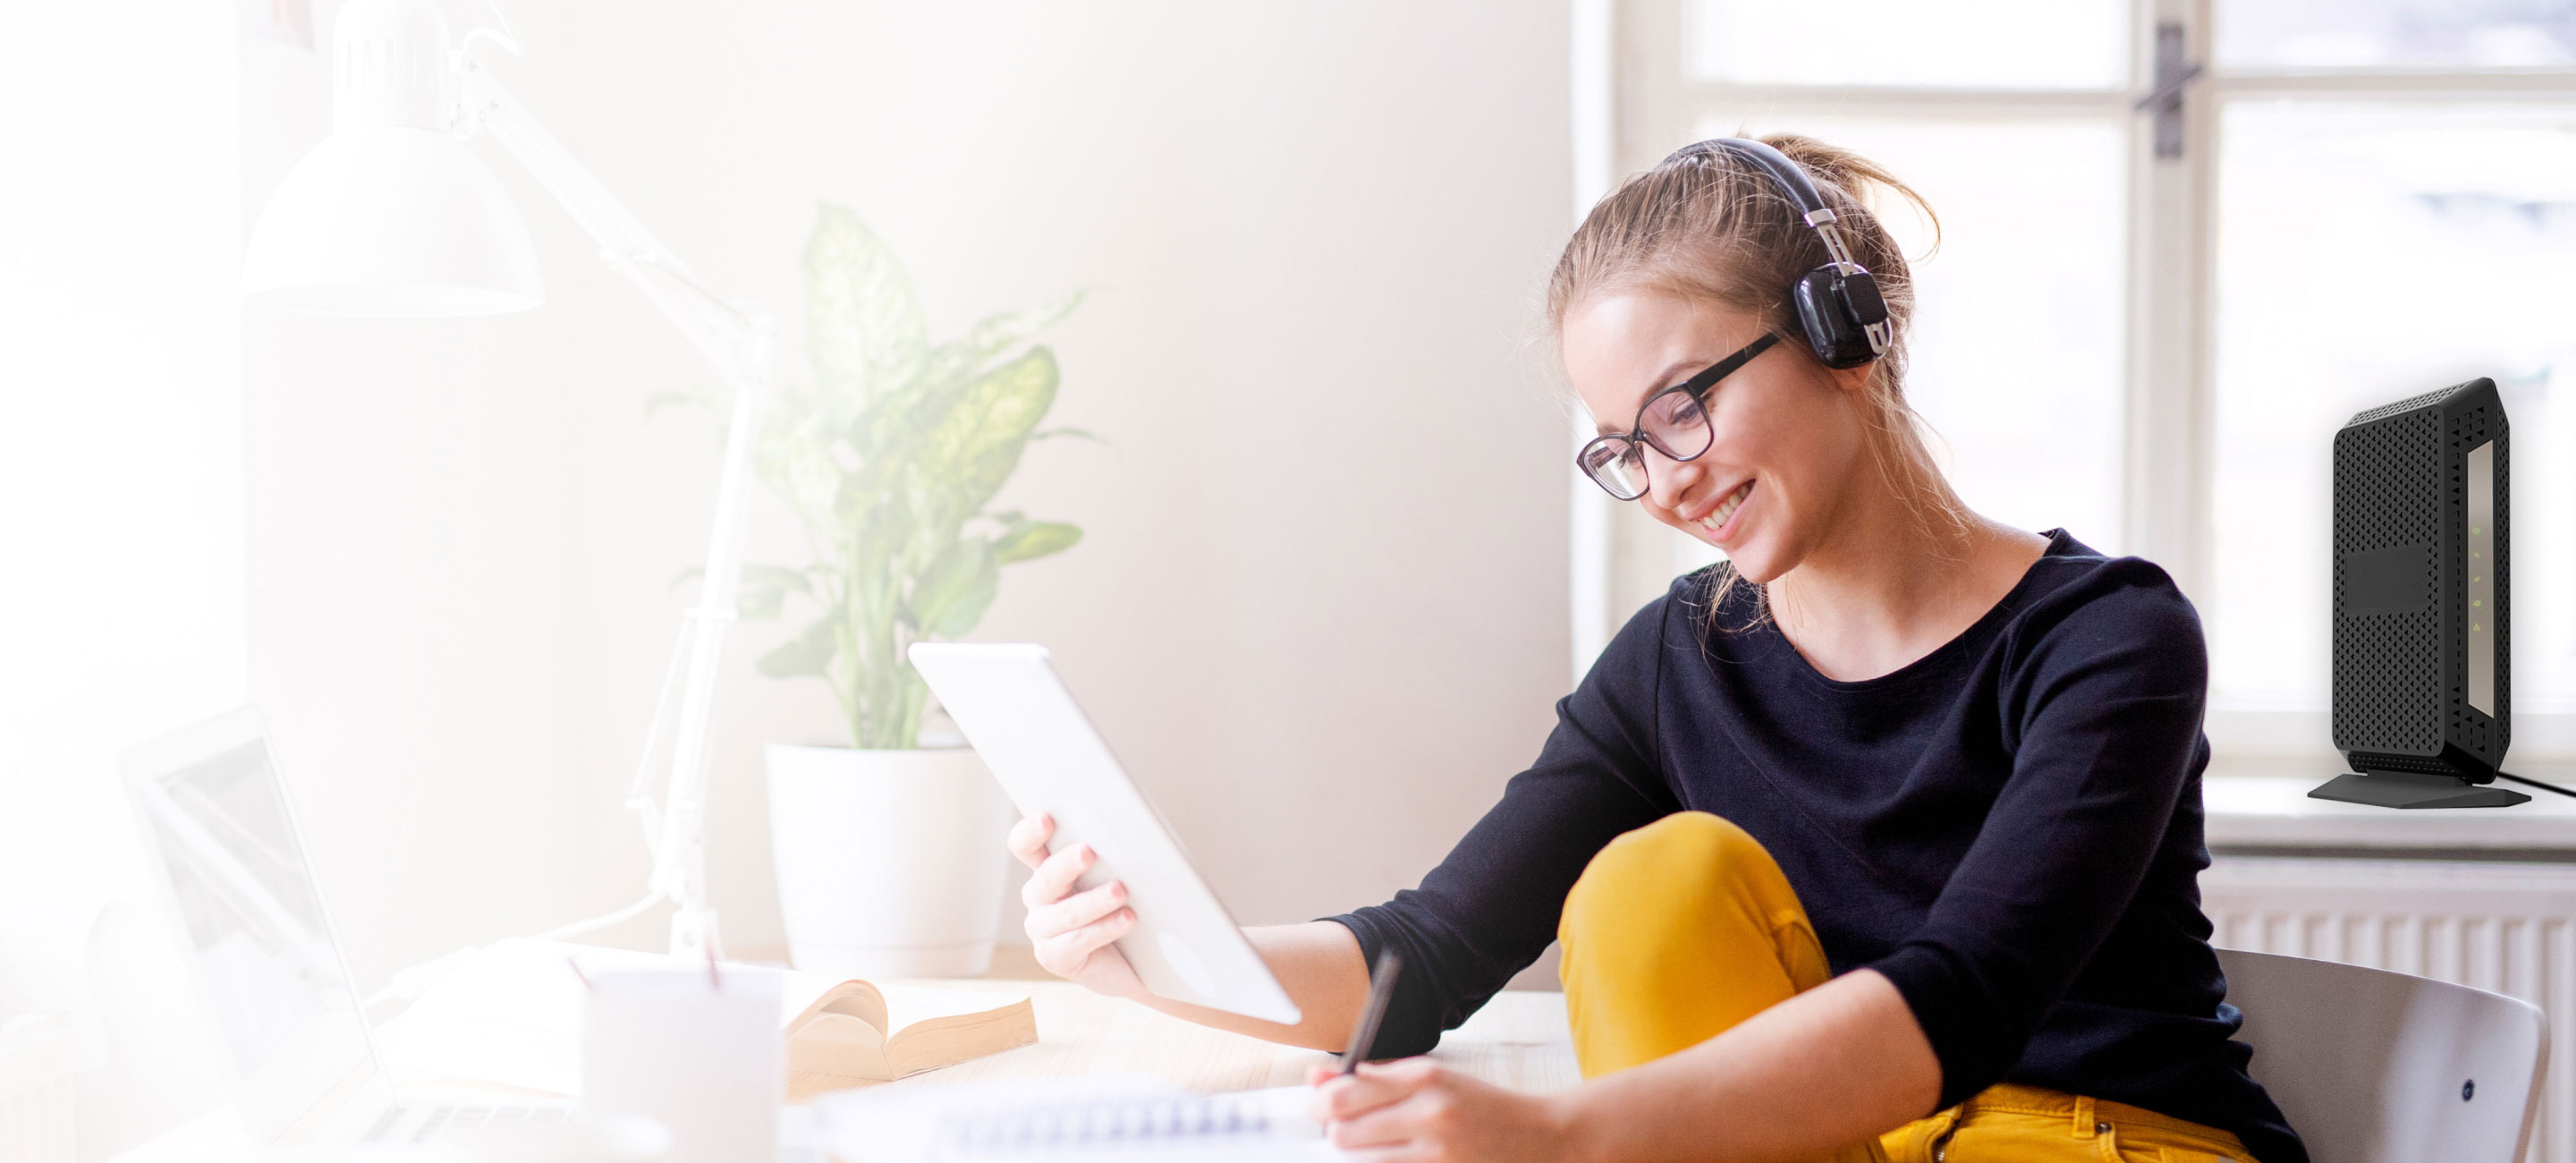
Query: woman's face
x=1785, y=443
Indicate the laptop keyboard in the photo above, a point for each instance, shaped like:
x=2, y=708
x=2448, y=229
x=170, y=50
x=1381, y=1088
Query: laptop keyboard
x=408, y=1124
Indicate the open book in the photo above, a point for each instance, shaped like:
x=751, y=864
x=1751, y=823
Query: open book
x=511, y=1014
x=857, y=1033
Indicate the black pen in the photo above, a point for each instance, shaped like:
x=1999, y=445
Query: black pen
x=1381, y=991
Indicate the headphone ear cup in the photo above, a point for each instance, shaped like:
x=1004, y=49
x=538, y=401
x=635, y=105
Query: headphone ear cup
x=1825, y=313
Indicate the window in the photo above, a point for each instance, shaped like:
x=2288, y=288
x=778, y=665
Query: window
x=2145, y=326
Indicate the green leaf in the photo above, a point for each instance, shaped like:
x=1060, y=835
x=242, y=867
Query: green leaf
x=804, y=474
x=776, y=577
x=863, y=323
x=753, y=574
x=882, y=532
x=993, y=336
x=1072, y=433
x=949, y=598
x=759, y=603
x=691, y=397
x=999, y=332
x=807, y=654
x=1034, y=539
x=976, y=445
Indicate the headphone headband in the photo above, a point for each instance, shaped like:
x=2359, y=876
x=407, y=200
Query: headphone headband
x=1838, y=304
x=1802, y=189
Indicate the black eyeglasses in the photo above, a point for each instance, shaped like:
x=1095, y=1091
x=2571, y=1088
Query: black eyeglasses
x=1674, y=421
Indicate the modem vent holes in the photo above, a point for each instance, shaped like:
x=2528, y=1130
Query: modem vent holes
x=2388, y=667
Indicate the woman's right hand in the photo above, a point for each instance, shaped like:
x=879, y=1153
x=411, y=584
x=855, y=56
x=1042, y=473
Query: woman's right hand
x=1071, y=931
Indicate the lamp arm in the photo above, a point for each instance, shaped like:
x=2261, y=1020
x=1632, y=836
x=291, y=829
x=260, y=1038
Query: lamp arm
x=734, y=338
x=738, y=341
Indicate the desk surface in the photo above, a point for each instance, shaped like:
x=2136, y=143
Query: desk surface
x=1518, y=1040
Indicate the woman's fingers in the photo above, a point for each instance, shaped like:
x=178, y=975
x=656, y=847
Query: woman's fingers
x=1028, y=839
x=1377, y=1086
x=1055, y=876
x=1080, y=909
x=1065, y=952
x=1416, y=1110
x=1427, y=1118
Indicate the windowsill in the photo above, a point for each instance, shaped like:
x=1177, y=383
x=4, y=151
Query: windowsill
x=2271, y=815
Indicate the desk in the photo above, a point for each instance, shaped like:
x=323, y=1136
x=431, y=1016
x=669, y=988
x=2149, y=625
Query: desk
x=1518, y=1040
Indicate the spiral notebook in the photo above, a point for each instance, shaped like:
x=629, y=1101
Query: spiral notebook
x=1127, y=1119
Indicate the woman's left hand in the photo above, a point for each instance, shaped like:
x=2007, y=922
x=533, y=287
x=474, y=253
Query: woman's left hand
x=1416, y=1109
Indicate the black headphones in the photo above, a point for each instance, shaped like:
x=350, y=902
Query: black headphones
x=1839, y=307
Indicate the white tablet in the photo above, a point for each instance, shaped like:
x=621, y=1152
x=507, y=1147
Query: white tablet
x=1007, y=699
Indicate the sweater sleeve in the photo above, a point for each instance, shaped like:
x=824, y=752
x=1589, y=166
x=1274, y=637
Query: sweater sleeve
x=2103, y=709
x=1491, y=907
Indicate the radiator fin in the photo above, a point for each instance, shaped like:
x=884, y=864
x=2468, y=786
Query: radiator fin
x=2509, y=928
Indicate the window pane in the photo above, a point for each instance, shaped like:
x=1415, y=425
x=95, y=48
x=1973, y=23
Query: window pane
x=2422, y=34
x=2018, y=335
x=2367, y=253
x=2053, y=44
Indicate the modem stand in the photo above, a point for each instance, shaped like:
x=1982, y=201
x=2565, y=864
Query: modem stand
x=2408, y=789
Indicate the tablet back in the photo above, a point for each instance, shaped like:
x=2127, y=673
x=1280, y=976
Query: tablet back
x=1007, y=699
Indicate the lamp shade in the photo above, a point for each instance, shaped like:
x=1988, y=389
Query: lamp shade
x=392, y=214
x=392, y=220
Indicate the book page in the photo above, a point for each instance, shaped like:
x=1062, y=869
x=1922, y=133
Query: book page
x=907, y=1003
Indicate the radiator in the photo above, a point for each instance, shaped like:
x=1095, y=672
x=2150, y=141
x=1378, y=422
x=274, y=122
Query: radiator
x=36, y=1068
x=2509, y=928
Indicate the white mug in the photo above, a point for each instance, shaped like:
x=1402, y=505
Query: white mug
x=699, y=1051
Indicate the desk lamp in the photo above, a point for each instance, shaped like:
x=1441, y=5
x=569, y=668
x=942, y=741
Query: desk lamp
x=393, y=215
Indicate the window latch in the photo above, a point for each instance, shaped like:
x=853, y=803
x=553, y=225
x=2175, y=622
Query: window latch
x=2173, y=72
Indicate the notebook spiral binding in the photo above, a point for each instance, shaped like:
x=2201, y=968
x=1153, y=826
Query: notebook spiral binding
x=1073, y=1126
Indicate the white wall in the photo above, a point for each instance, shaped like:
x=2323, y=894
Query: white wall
x=1321, y=606
x=120, y=509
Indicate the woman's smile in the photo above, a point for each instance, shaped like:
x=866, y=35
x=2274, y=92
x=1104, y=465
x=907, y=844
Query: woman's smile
x=1720, y=522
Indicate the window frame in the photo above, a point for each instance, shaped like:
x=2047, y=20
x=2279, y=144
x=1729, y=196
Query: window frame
x=1633, y=100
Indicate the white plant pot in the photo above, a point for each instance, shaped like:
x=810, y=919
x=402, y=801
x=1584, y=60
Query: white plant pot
x=890, y=863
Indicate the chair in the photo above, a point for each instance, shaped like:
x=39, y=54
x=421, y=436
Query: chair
x=2379, y=1067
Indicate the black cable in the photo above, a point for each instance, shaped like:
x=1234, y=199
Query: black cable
x=2536, y=783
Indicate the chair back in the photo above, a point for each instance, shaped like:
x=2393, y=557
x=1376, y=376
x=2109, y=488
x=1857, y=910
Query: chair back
x=2378, y=1067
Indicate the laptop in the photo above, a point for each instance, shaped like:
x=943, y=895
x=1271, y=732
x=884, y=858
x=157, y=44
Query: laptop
x=276, y=990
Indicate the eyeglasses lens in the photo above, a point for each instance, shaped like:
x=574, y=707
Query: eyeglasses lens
x=1676, y=425
x=1617, y=464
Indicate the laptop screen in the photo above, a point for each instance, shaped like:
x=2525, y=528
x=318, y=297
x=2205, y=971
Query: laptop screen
x=275, y=991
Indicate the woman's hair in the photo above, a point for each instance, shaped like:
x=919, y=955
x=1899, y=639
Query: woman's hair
x=1713, y=226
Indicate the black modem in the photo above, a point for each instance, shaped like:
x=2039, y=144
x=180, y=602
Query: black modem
x=2423, y=698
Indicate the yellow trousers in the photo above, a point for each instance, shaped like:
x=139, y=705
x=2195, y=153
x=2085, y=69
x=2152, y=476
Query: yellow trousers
x=1682, y=928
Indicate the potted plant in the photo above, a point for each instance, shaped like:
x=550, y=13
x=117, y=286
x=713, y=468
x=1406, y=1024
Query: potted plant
x=888, y=850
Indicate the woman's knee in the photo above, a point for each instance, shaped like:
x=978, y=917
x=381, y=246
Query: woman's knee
x=1682, y=856
x=1676, y=932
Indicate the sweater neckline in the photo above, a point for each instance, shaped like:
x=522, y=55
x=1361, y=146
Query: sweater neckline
x=1939, y=657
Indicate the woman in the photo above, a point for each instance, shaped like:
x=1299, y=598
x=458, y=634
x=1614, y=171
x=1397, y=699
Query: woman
x=1879, y=841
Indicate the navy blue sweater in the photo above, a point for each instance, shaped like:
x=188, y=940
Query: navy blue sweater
x=2008, y=828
